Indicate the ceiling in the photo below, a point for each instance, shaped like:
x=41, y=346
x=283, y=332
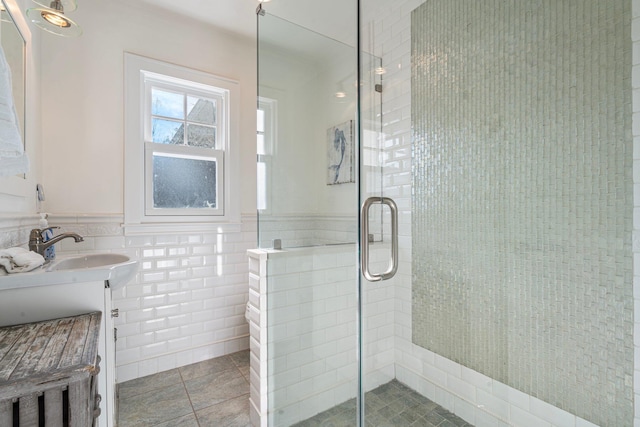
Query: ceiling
x=237, y=16
x=335, y=18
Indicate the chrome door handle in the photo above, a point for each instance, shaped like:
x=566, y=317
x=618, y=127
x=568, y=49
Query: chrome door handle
x=364, y=239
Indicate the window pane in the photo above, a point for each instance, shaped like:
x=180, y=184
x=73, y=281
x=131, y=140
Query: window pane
x=201, y=136
x=260, y=120
x=261, y=147
x=262, y=185
x=167, y=104
x=201, y=110
x=167, y=132
x=183, y=183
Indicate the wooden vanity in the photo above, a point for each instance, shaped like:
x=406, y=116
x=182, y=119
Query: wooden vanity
x=49, y=372
x=46, y=294
x=37, y=303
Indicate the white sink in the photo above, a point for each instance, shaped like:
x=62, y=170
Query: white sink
x=117, y=269
x=88, y=261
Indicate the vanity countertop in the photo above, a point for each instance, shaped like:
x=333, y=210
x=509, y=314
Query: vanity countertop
x=117, y=274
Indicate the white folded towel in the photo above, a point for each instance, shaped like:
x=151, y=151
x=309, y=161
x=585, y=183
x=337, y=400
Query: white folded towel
x=20, y=260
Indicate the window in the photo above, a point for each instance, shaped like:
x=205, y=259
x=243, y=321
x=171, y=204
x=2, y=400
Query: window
x=178, y=143
x=184, y=149
x=266, y=119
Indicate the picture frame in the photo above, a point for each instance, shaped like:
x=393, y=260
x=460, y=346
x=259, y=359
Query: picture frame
x=341, y=153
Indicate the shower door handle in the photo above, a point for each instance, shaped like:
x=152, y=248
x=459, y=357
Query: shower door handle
x=364, y=239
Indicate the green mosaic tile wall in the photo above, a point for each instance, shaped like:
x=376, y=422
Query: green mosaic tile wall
x=522, y=196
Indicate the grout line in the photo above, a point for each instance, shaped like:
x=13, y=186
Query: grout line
x=189, y=397
x=236, y=366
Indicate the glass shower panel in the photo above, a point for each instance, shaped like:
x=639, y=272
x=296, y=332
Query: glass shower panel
x=307, y=146
x=307, y=159
x=312, y=335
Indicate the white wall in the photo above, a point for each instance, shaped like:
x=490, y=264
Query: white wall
x=187, y=302
x=82, y=97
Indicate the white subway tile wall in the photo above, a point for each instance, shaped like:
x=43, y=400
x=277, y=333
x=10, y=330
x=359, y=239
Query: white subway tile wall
x=310, y=339
x=14, y=230
x=307, y=230
x=187, y=302
x=311, y=318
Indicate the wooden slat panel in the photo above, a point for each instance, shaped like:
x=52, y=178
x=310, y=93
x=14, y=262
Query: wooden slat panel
x=73, y=351
x=53, y=352
x=43, y=357
x=6, y=412
x=3, y=332
x=35, y=351
x=53, y=407
x=97, y=399
x=28, y=410
x=79, y=407
x=93, y=337
x=17, y=351
x=9, y=338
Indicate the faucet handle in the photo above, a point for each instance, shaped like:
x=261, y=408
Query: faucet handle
x=48, y=228
x=37, y=234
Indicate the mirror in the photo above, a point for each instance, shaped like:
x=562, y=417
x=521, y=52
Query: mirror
x=13, y=45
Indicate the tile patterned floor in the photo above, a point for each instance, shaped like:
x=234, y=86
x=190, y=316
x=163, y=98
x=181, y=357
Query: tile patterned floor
x=215, y=393
x=210, y=393
x=390, y=405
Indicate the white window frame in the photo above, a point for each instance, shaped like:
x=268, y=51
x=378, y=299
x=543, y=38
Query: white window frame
x=140, y=75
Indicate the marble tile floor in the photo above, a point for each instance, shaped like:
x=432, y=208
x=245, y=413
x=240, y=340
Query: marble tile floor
x=214, y=392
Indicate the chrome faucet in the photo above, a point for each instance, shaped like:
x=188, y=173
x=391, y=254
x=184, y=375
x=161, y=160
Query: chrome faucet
x=37, y=245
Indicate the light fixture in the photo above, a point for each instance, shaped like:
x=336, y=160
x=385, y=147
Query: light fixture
x=341, y=94
x=67, y=5
x=53, y=20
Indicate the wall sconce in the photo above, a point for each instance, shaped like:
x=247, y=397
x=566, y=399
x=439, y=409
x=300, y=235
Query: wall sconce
x=52, y=19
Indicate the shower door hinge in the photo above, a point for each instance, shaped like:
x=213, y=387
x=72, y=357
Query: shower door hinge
x=379, y=88
x=259, y=10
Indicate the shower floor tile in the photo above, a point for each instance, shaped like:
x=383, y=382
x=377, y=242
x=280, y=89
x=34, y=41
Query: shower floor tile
x=390, y=405
x=210, y=393
x=216, y=393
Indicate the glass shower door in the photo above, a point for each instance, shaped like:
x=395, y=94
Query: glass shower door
x=379, y=256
